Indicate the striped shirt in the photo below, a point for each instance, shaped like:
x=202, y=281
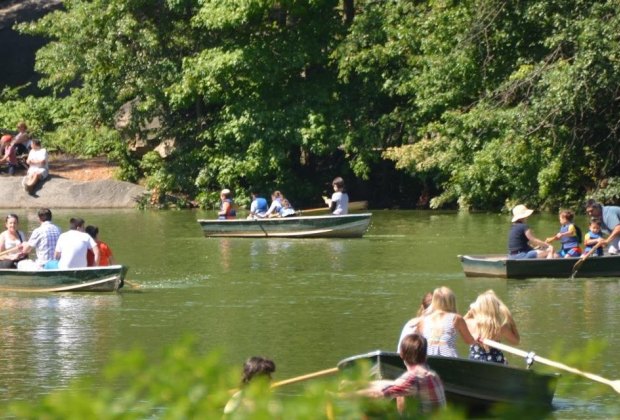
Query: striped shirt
x=440, y=334
x=421, y=383
x=43, y=239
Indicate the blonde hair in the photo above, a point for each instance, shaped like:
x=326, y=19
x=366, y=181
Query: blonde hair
x=490, y=315
x=443, y=300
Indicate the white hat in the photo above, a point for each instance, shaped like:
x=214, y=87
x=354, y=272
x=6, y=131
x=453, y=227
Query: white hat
x=520, y=212
x=225, y=191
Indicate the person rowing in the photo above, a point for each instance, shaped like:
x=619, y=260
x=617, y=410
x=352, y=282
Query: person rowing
x=339, y=201
x=521, y=236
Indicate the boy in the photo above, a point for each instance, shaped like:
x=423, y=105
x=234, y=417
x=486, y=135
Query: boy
x=592, y=238
x=419, y=381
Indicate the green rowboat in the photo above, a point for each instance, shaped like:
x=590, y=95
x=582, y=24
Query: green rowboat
x=91, y=279
x=503, y=267
x=472, y=383
x=344, y=226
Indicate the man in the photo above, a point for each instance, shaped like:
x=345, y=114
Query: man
x=43, y=239
x=610, y=224
x=73, y=245
x=38, y=166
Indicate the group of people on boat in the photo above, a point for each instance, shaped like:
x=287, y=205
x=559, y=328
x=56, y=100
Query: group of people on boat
x=603, y=231
x=14, y=147
x=280, y=206
x=78, y=247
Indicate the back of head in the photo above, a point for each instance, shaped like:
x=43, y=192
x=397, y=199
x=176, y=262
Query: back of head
x=338, y=182
x=489, y=315
x=425, y=304
x=443, y=300
x=93, y=231
x=76, y=223
x=257, y=366
x=413, y=349
x=45, y=215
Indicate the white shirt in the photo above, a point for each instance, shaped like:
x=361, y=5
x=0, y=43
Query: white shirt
x=342, y=202
x=72, y=246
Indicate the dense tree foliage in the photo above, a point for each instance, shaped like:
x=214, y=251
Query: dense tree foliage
x=484, y=103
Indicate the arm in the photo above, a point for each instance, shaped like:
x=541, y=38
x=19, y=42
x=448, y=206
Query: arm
x=97, y=254
x=534, y=240
x=461, y=327
x=614, y=233
x=510, y=332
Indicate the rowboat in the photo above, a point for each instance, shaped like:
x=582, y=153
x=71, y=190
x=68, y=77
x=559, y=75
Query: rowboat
x=471, y=383
x=332, y=226
x=504, y=267
x=91, y=279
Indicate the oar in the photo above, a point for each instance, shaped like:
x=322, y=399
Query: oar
x=614, y=384
x=584, y=257
x=353, y=205
x=305, y=377
x=9, y=251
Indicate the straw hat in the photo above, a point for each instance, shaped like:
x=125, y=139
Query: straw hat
x=520, y=212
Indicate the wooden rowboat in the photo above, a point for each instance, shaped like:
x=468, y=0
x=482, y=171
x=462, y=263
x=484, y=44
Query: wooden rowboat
x=472, y=383
x=504, y=267
x=344, y=226
x=91, y=279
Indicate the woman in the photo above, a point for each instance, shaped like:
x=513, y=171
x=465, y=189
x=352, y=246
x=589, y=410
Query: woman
x=411, y=327
x=227, y=208
x=442, y=324
x=521, y=236
x=339, y=201
x=10, y=239
x=276, y=205
x=490, y=318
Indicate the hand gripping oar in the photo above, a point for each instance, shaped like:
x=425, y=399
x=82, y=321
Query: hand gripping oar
x=584, y=257
x=614, y=384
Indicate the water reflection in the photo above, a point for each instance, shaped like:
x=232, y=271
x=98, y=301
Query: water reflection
x=53, y=338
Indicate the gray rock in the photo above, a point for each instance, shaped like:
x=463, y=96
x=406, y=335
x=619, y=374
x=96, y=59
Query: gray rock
x=58, y=192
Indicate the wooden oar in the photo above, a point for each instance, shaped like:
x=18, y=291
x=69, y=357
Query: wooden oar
x=353, y=206
x=583, y=258
x=305, y=377
x=9, y=251
x=614, y=384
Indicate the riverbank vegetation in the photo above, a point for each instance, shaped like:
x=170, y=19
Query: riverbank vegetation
x=475, y=104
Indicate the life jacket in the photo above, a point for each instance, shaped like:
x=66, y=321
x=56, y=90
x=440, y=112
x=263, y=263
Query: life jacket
x=569, y=242
x=231, y=213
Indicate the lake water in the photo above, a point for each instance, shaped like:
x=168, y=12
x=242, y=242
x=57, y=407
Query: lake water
x=307, y=303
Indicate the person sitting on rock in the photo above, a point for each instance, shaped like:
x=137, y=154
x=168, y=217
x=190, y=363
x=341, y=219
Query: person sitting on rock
x=22, y=139
x=38, y=169
x=9, y=153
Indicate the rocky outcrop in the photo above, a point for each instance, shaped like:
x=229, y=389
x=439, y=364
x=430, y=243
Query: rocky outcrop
x=18, y=51
x=57, y=192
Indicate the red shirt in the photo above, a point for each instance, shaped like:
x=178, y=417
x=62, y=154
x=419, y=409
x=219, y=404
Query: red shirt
x=104, y=255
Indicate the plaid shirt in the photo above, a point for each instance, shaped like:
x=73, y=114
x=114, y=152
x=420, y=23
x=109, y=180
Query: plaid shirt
x=44, y=239
x=421, y=383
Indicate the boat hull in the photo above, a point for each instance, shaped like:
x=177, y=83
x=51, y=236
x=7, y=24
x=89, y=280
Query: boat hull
x=503, y=267
x=345, y=226
x=477, y=385
x=90, y=279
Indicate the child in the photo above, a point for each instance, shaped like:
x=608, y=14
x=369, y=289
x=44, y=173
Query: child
x=105, y=253
x=419, y=381
x=569, y=235
x=592, y=238
x=286, y=210
x=339, y=202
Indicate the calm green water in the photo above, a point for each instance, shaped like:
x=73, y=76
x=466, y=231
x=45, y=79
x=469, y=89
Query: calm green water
x=305, y=303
